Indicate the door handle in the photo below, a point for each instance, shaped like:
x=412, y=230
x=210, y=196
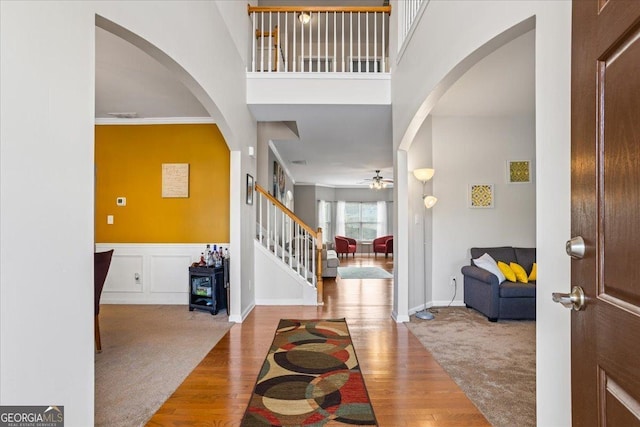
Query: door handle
x=574, y=300
x=575, y=247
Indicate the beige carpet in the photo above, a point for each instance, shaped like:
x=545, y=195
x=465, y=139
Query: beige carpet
x=147, y=351
x=493, y=363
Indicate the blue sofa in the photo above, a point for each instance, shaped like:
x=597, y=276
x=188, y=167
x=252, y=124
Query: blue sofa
x=506, y=300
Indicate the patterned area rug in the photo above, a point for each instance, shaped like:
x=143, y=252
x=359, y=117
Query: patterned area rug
x=311, y=377
x=363, y=273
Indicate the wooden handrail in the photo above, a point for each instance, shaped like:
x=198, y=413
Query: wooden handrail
x=381, y=9
x=286, y=210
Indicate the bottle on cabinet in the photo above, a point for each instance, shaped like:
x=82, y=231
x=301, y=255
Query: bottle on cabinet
x=208, y=258
x=213, y=256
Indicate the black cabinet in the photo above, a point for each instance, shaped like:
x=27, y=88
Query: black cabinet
x=208, y=288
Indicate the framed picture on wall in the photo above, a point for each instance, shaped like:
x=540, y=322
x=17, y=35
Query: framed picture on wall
x=518, y=171
x=276, y=171
x=279, y=181
x=249, y=189
x=481, y=196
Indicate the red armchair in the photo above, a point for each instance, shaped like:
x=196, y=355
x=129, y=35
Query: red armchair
x=345, y=245
x=383, y=245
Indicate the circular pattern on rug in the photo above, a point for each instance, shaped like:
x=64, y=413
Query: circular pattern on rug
x=307, y=362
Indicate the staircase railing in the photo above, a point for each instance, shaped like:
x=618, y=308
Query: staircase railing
x=288, y=238
x=320, y=39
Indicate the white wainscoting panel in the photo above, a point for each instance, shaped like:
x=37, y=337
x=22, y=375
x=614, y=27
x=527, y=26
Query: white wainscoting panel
x=122, y=271
x=169, y=273
x=162, y=271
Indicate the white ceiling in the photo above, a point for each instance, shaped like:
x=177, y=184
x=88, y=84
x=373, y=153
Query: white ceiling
x=342, y=145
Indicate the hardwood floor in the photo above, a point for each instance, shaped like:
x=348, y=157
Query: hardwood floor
x=406, y=386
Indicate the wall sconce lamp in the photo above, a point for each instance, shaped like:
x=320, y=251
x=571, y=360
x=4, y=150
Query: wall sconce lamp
x=304, y=17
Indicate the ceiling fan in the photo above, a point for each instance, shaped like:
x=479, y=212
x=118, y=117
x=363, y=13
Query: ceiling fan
x=378, y=182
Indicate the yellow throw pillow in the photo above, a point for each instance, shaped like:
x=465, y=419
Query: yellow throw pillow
x=534, y=272
x=507, y=271
x=521, y=275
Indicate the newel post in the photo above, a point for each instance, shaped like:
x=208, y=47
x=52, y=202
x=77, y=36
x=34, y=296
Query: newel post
x=319, y=284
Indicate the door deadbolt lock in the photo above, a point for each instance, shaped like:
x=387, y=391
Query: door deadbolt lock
x=575, y=247
x=574, y=300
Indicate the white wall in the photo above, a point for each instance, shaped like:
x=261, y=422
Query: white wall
x=306, y=204
x=278, y=284
x=47, y=177
x=46, y=207
x=435, y=57
x=475, y=151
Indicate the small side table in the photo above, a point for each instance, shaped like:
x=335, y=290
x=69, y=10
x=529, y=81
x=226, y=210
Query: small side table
x=207, y=289
x=368, y=244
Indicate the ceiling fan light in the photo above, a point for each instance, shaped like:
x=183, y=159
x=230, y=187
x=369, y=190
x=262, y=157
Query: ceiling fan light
x=424, y=174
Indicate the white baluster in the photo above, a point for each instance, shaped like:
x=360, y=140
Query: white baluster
x=270, y=39
x=384, y=38
x=326, y=42
x=366, y=25
x=351, y=41
x=262, y=41
x=310, y=43
x=277, y=42
x=286, y=41
x=359, y=45
x=342, y=31
x=335, y=56
x=253, y=43
x=376, y=67
x=260, y=198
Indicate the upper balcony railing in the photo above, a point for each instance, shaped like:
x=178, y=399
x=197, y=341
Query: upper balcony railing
x=312, y=39
x=410, y=11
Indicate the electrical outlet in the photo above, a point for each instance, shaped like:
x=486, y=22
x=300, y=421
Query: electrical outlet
x=452, y=281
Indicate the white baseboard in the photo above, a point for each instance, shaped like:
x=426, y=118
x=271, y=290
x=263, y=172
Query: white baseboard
x=245, y=313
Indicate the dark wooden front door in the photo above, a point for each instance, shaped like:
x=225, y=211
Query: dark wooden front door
x=605, y=206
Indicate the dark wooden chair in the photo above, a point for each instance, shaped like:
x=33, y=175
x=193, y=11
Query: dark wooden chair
x=101, y=263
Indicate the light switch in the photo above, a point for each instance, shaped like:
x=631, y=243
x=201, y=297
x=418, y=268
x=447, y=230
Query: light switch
x=121, y=201
x=109, y=219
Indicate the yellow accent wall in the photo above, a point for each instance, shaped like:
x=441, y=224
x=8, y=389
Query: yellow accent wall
x=129, y=162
